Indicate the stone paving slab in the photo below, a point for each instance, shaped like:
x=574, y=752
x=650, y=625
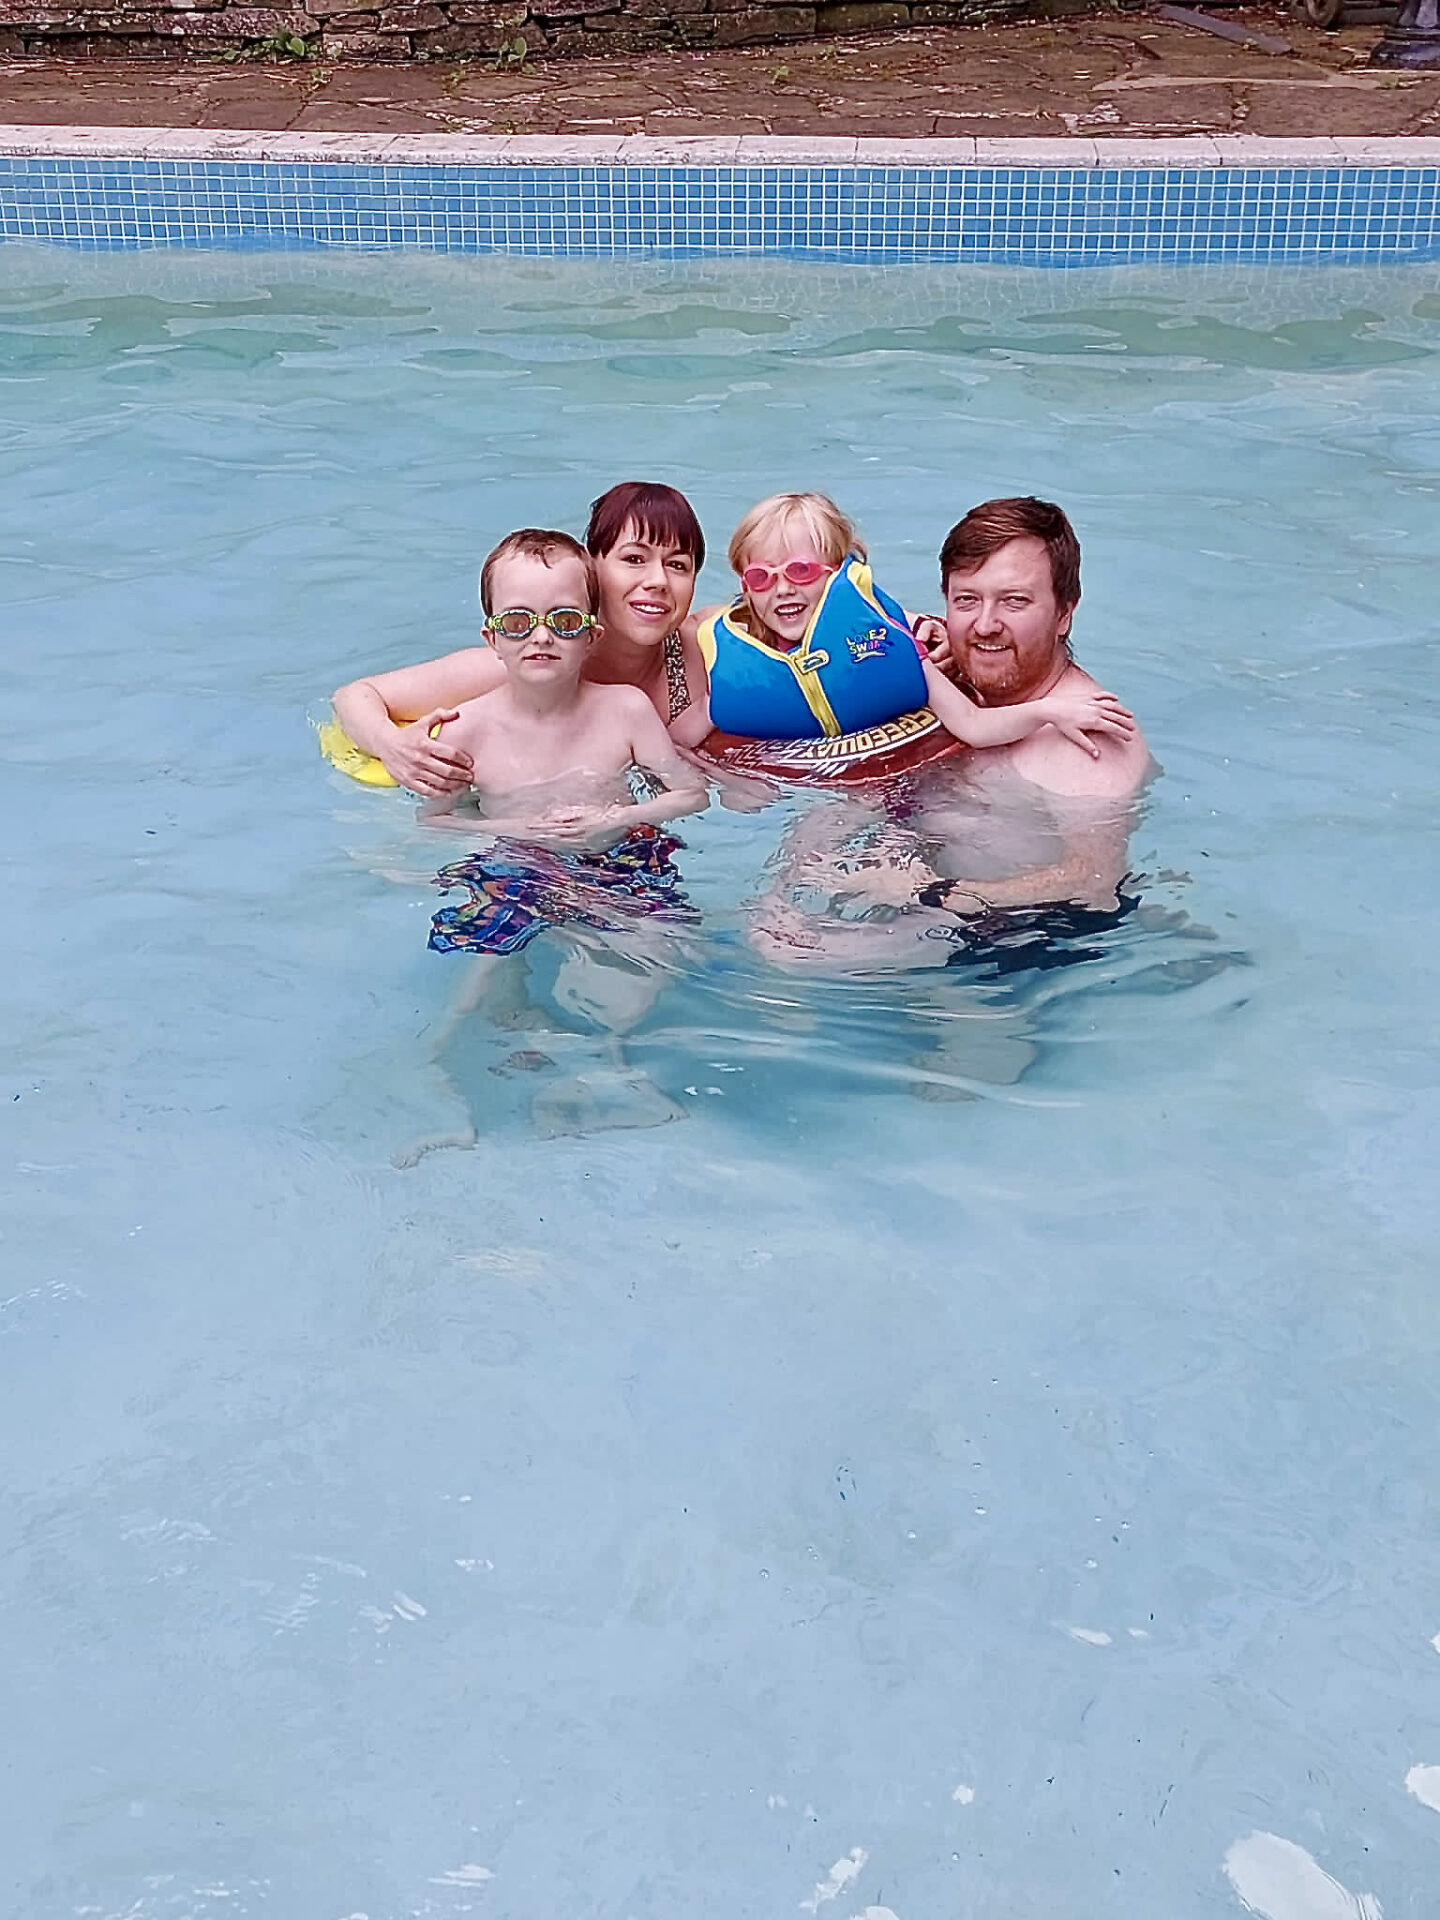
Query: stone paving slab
x=1107, y=77
x=1191, y=152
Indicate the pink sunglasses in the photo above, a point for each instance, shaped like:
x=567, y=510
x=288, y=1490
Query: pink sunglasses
x=800, y=573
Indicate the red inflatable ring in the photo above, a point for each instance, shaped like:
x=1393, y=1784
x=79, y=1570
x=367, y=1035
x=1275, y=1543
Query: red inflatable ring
x=846, y=759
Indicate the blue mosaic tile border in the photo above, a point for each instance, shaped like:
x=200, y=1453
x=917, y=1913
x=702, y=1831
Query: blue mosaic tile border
x=1059, y=216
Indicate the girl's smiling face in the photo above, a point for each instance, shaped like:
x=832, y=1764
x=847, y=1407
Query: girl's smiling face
x=782, y=609
x=645, y=587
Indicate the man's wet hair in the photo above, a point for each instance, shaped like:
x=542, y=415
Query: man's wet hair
x=991, y=525
x=538, y=543
x=658, y=513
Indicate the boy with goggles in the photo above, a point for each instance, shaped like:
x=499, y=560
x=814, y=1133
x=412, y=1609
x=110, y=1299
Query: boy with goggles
x=518, y=623
x=567, y=848
x=551, y=751
x=814, y=647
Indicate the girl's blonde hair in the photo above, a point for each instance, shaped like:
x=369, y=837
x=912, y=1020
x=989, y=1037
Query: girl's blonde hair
x=833, y=537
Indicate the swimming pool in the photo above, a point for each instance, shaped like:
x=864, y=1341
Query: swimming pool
x=846, y=1501
x=1197, y=199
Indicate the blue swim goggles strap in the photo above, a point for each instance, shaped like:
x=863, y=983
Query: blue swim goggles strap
x=518, y=623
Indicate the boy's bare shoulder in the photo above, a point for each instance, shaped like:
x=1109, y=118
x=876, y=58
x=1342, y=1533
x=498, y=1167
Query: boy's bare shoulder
x=471, y=716
x=612, y=698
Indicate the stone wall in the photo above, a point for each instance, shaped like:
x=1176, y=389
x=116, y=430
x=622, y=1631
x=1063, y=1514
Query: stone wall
x=440, y=29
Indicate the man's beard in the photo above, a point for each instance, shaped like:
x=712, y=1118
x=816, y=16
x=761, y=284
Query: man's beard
x=999, y=677
x=1003, y=680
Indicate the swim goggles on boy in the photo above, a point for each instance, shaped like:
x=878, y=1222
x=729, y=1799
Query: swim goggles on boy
x=518, y=623
x=800, y=573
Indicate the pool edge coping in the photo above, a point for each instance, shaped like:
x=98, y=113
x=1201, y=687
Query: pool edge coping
x=1190, y=151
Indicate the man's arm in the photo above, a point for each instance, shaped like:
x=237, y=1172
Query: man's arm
x=392, y=715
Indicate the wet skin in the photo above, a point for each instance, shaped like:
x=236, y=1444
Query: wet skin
x=1004, y=625
x=645, y=593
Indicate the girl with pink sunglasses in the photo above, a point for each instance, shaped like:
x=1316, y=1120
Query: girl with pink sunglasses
x=812, y=648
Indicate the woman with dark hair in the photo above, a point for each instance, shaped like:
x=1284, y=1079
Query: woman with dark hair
x=648, y=549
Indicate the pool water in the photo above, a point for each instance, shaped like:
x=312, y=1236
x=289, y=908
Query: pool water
x=981, y=1459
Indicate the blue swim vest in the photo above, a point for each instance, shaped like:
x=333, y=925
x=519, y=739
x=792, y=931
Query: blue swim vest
x=857, y=666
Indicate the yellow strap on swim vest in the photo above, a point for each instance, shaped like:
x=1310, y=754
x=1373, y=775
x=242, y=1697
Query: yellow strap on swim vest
x=805, y=663
x=862, y=578
x=343, y=754
x=705, y=639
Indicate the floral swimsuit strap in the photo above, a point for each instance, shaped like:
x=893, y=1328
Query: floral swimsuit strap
x=677, y=684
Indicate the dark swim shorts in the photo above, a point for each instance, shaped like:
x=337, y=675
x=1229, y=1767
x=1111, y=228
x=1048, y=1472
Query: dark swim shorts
x=518, y=890
x=1056, y=933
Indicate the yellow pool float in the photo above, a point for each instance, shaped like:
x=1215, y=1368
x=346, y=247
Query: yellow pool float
x=343, y=754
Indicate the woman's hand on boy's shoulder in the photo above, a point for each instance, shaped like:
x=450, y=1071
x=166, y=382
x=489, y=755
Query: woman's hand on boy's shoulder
x=423, y=763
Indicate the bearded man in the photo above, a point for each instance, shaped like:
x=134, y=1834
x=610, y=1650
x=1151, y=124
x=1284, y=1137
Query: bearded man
x=1043, y=822
x=1004, y=856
